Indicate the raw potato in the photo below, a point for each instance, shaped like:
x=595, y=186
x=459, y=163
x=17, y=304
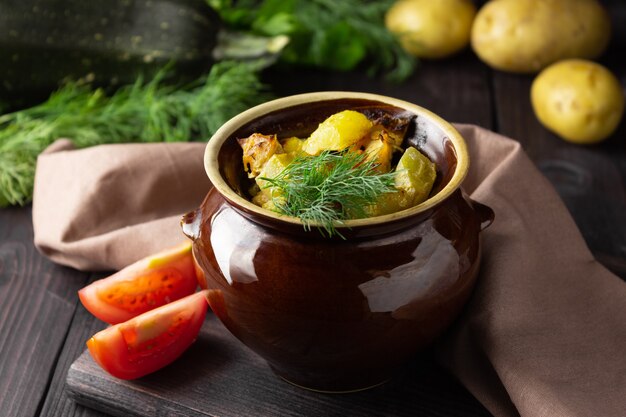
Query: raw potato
x=527, y=35
x=579, y=100
x=431, y=28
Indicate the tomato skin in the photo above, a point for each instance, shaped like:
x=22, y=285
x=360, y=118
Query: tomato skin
x=148, y=283
x=151, y=340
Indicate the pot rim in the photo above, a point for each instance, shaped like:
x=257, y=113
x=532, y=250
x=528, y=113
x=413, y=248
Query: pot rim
x=227, y=129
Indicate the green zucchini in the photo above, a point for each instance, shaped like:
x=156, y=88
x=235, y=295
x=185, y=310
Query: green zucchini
x=107, y=42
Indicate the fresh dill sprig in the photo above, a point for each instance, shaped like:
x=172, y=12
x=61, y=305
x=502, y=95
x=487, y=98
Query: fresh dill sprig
x=151, y=111
x=326, y=189
x=334, y=34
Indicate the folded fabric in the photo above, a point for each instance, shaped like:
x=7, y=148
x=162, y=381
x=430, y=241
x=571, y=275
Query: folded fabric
x=545, y=331
x=543, y=334
x=104, y=207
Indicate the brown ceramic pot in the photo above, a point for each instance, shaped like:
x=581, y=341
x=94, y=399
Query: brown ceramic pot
x=333, y=314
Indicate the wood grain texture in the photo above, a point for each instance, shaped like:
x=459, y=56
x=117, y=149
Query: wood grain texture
x=37, y=302
x=57, y=402
x=457, y=88
x=220, y=377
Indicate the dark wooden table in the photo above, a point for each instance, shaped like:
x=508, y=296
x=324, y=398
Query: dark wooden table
x=43, y=327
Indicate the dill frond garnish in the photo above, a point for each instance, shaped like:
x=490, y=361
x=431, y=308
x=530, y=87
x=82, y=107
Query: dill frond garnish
x=326, y=189
x=146, y=111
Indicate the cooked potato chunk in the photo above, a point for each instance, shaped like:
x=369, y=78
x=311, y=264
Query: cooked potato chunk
x=257, y=150
x=386, y=204
x=293, y=145
x=338, y=132
x=415, y=177
x=274, y=166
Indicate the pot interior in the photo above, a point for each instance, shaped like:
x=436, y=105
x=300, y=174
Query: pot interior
x=301, y=120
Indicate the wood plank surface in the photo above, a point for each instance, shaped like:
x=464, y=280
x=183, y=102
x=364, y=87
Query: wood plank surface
x=220, y=377
x=37, y=302
x=57, y=402
x=457, y=88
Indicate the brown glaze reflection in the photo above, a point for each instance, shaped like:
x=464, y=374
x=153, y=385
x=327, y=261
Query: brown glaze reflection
x=337, y=315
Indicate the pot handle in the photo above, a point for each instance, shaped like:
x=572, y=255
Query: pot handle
x=485, y=214
x=191, y=223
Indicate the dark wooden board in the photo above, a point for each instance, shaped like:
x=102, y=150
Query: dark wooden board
x=457, y=88
x=37, y=302
x=58, y=403
x=220, y=377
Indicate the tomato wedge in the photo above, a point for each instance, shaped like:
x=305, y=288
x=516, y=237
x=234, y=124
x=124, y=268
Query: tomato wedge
x=148, y=283
x=151, y=340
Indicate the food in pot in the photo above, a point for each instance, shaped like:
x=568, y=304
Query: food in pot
x=351, y=166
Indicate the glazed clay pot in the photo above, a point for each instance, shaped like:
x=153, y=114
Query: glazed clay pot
x=336, y=314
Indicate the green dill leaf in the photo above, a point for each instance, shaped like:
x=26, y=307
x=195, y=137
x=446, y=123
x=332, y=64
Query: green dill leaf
x=149, y=111
x=324, y=190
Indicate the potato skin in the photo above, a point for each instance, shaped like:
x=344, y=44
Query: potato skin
x=525, y=36
x=431, y=28
x=579, y=100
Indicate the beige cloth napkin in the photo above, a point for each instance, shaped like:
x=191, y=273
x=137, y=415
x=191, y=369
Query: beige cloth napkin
x=104, y=207
x=544, y=333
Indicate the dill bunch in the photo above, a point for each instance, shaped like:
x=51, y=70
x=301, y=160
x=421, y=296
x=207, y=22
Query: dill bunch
x=146, y=111
x=326, y=189
x=333, y=34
